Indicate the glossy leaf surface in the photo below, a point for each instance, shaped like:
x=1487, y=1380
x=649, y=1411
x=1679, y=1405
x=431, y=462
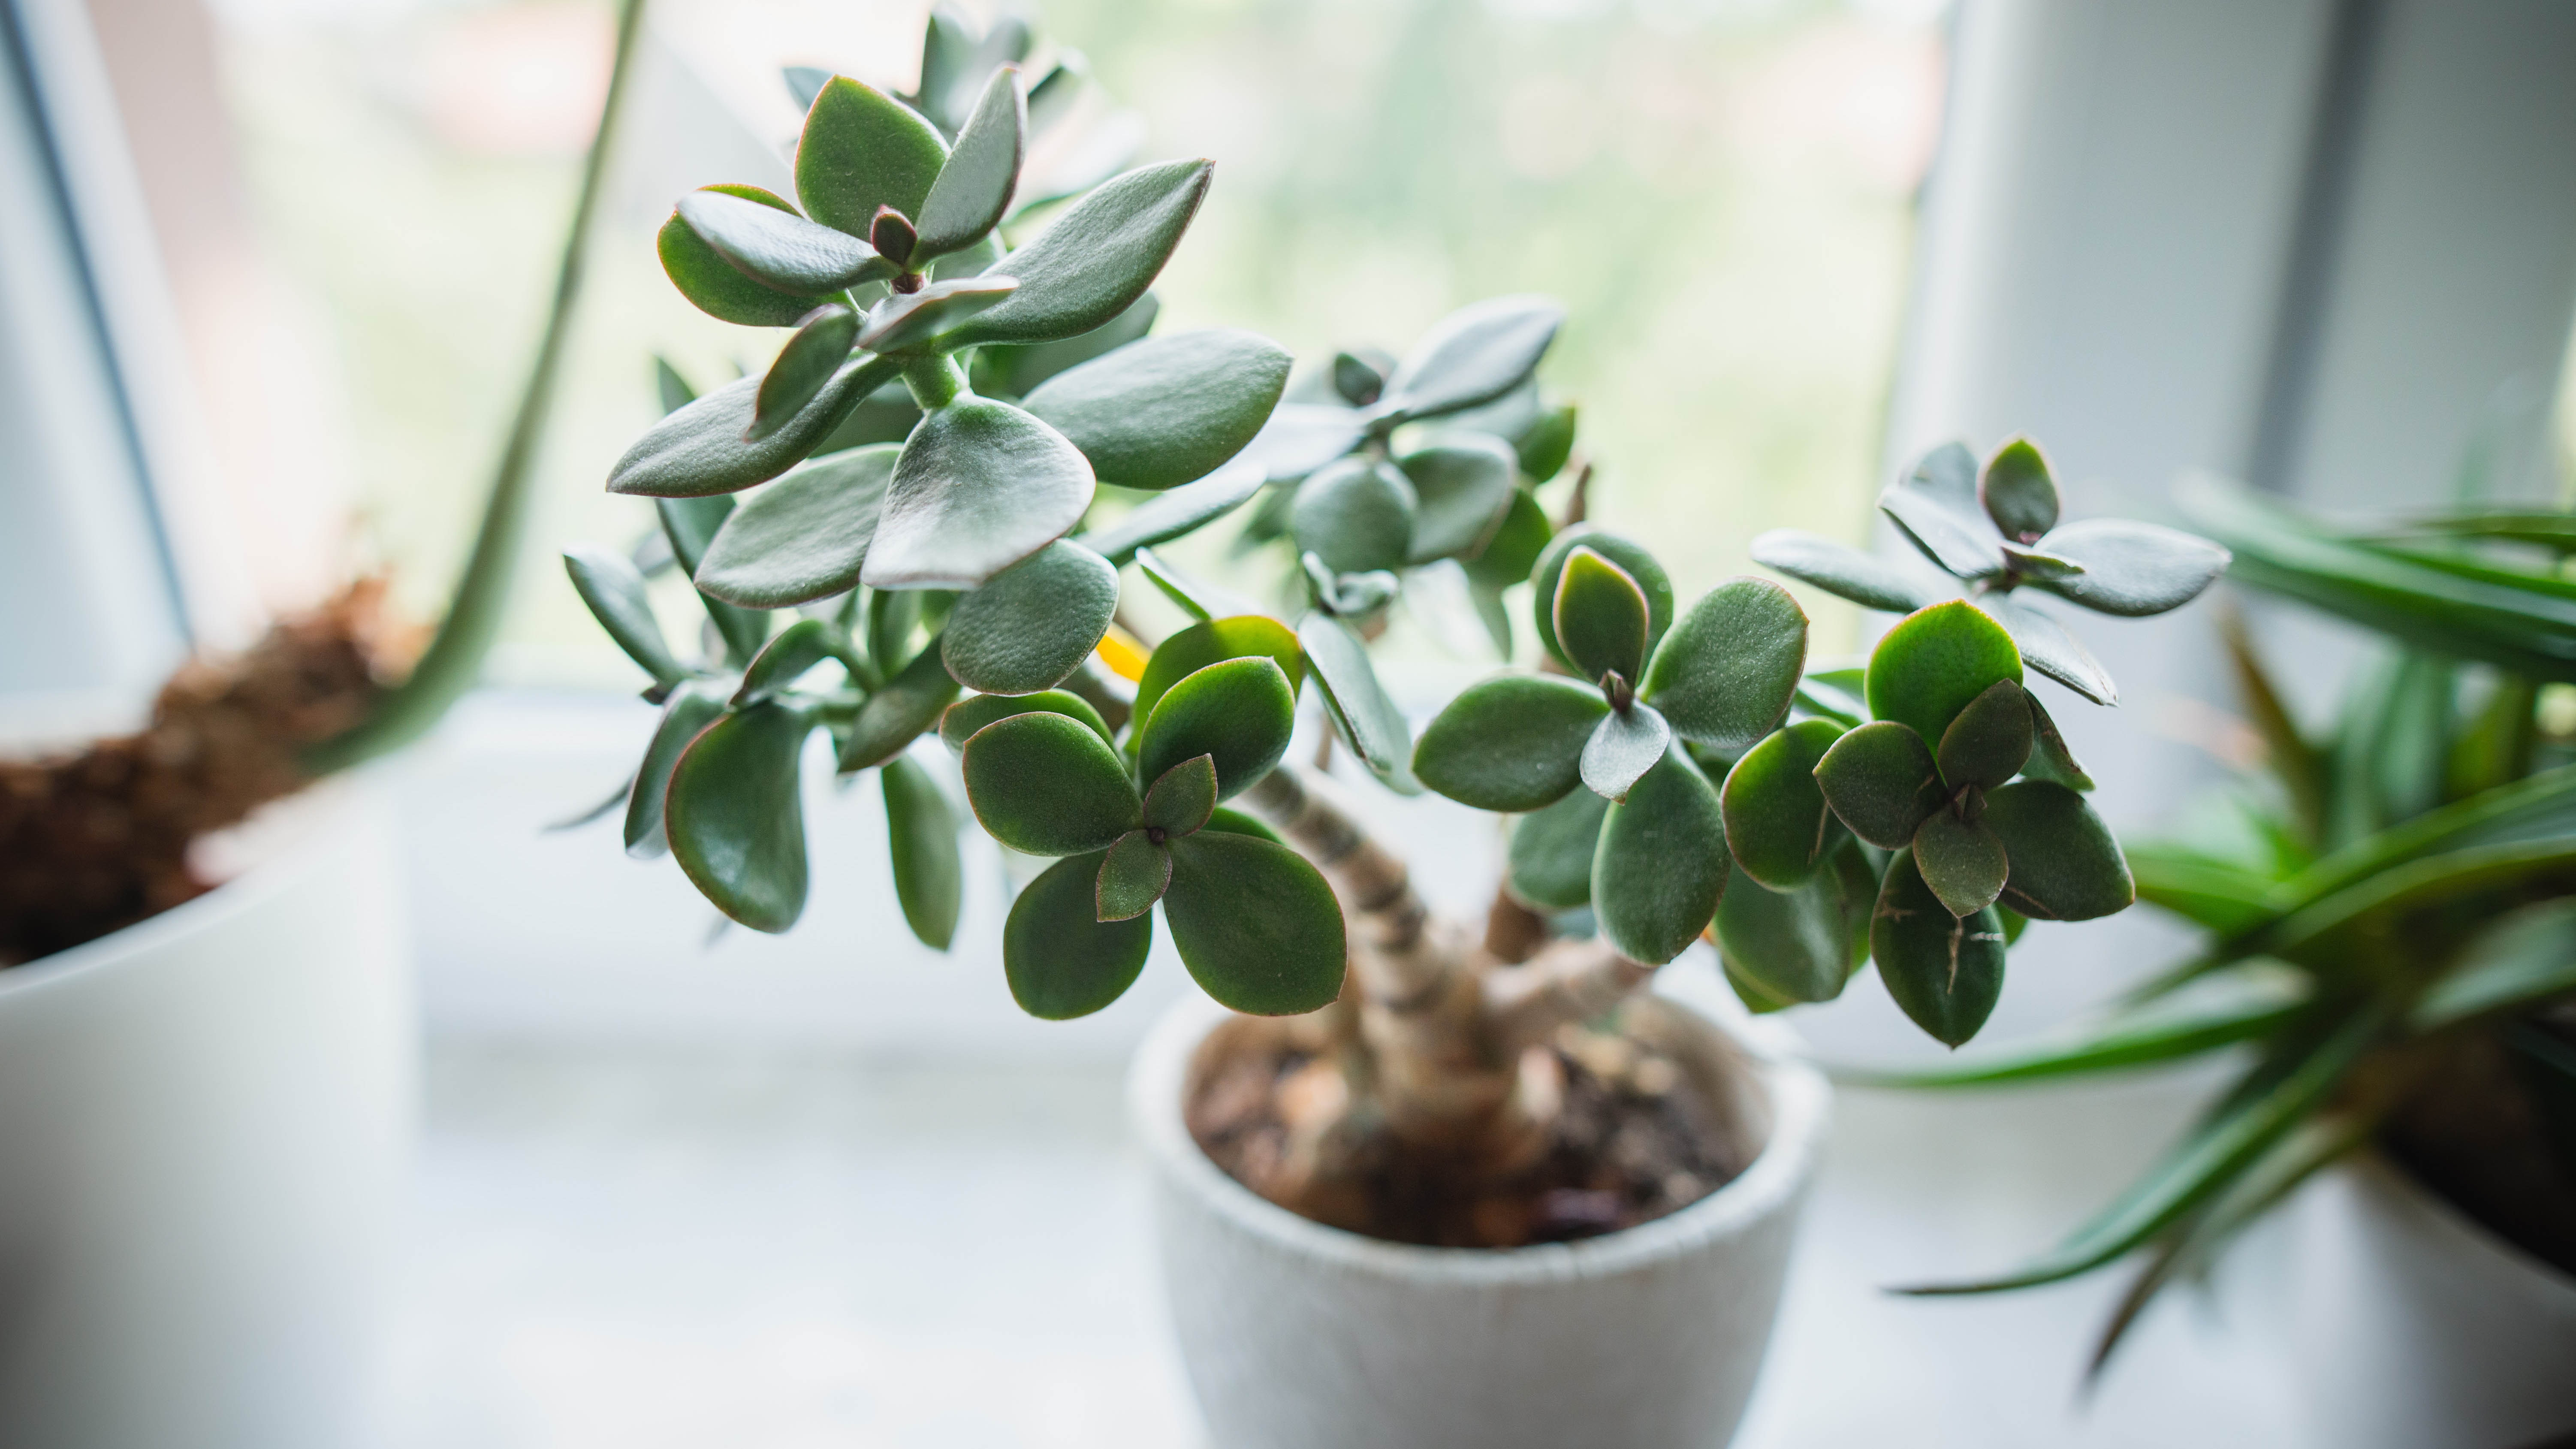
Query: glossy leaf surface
x=1046, y=785
x=715, y=285
x=1302, y=437
x=1132, y=877
x=2133, y=568
x=1166, y=410
x=1800, y=944
x=613, y=589
x=1991, y=739
x=896, y=715
x=797, y=648
x=700, y=450
x=1962, y=861
x=861, y=150
x=973, y=189
x=2050, y=759
x=921, y=835
x=1777, y=822
x=1200, y=645
x=768, y=242
x=1946, y=973
x=1632, y=559
x=1031, y=625
x=1240, y=711
x=1927, y=668
x=1625, y=745
x=1661, y=865
x=981, y=485
x=692, y=707
x=1093, y=262
x=1257, y=926
x=1514, y=742
x=820, y=345
x=1358, y=706
x=960, y=721
x=1061, y=959
x=1182, y=798
x=1474, y=355
x=2046, y=646
x=1725, y=674
x=1936, y=507
x=1881, y=780
x=914, y=322
x=803, y=537
x=1600, y=617
x=2017, y=491
x=736, y=819
x=2066, y=865
x=1845, y=572
x=1552, y=848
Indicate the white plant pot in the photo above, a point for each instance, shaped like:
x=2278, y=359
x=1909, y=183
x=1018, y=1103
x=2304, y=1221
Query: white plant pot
x=2414, y=1328
x=1301, y=1336
x=204, y=1122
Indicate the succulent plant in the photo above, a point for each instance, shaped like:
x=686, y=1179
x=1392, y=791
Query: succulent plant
x=1996, y=530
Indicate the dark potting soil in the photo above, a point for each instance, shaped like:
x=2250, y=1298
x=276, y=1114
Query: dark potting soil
x=1636, y=1139
x=2473, y=1135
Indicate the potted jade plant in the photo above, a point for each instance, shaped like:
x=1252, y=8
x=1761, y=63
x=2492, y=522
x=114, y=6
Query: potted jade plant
x=1419, y=1184
x=2390, y=917
x=205, y=1035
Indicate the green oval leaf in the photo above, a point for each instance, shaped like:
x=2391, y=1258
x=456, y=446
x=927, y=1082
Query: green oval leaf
x=694, y=705
x=1181, y=510
x=1551, y=851
x=1622, y=747
x=1167, y=410
x=1514, y=549
x=1302, y=437
x=973, y=189
x=1240, y=711
x=715, y=285
x=1033, y=624
x=895, y=715
x=1257, y=926
x=1044, y=784
x=1945, y=972
x=1093, y=262
x=1865, y=579
x=802, y=368
x=861, y=150
x=1661, y=865
x=1182, y=798
x=1543, y=447
x=613, y=589
x=1462, y=487
x=1962, y=861
x=1473, y=356
x=981, y=485
x=921, y=832
x=1132, y=877
x=966, y=716
x=1800, y=944
x=767, y=241
x=736, y=819
x=1356, y=515
x=1632, y=559
x=2018, y=493
x=803, y=537
x=1241, y=636
x=799, y=647
x=1927, y=668
x=1990, y=740
x=1061, y=959
x=701, y=449
x=1881, y=781
x=1725, y=674
x=2047, y=647
x=1777, y=822
x=2132, y=569
x=1514, y=742
x=1361, y=714
x=1600, y=617
x=1937, y=509
x=2066, y=865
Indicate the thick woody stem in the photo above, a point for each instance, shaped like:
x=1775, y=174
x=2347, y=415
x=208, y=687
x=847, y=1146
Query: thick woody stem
x=1571, y=980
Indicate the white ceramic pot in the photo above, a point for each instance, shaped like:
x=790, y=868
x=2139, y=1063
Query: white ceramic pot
x=2413, y=1327
x=1301, y=1336
x=204, y=1123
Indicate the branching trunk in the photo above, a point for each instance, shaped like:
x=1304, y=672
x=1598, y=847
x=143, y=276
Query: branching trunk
x=1437, y=1031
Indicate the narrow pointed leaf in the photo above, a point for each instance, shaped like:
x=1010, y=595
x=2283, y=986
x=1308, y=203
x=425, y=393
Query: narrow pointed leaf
x=1726, y=673
x=1361, y=713
x=736, y=819
x=1257, y=926
x=2133, y=1039
x=802, y=368
x=799, y=647
x=1356, y=515
x=1514, y=742
x=1183, y=798
x=804, y=537
x=614, y=591
x=981, y=485
x=1091, y=263
x=1031, y=625
x=2520, y=960
x=1962, y=862
x=1240, y=636
x=1174, y=586
x=1179, y=511
x=909, y=323
x=973, y=189
x=1061, y=959
x=2132, y=568
x=1166, y=410
x=1045, y=784
x=1241, y=711
x=700, y=450
x=1882, y=782
x=960, y=721
x=2066, y=866
x=1632, y=559
x=1552, y=848
x=1845, y=572
x=2017, y=491
x=1625, y=745
x=1132, y=877
x=770, y=244
x=2221, y=895
x=1937, y=509
x=921, y=834
x=1944, y=972
x=896, y=715
x=1600, y=618
x=715, y=285
x=1463, y=485
x=1991, y=739
x=1661, y=865
x=1927, y=668
x=862, y=150
x=693, y=706
x=1777, y=822
x=1474, y=355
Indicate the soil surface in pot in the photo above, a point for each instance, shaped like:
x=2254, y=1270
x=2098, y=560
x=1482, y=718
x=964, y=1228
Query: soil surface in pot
x=1637, y=1138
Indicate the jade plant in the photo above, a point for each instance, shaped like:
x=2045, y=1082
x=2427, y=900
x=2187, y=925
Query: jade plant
x=965, y=578
x=2387, y=906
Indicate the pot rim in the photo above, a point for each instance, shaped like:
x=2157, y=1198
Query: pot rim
x=329, y=809
x=1800, y=1103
